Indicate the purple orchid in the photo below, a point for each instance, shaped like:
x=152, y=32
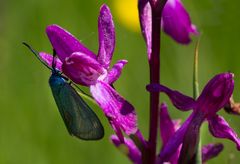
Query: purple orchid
x=83, y=67
x=175, y=21
x=168, y=127
x=214, y=96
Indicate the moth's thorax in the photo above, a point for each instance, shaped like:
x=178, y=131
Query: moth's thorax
x=56, y=81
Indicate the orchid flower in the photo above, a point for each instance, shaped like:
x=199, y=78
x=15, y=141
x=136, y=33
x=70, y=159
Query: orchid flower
x=213, y=97
x=167, y=129
x=83, y=67
x=175, y=21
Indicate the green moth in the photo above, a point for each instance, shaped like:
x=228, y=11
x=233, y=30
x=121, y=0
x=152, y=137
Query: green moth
x=78, y=117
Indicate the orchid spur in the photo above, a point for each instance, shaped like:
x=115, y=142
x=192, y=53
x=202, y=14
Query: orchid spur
x=83, y=67
x=214, y=96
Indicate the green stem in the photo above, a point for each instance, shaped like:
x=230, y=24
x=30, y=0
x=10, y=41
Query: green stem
x=195, y=73
x=195, y=95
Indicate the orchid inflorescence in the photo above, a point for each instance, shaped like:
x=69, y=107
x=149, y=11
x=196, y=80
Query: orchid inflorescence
x=180, y=142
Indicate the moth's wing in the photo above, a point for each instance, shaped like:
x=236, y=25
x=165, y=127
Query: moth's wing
x=79, y=118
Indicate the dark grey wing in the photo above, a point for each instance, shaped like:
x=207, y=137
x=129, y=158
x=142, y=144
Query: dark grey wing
x=78, y=117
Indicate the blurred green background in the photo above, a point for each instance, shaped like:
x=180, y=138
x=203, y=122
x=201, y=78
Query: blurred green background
x=31, y=129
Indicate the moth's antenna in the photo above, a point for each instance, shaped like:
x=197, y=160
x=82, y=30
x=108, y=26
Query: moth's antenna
x=37, y=55
x=81, y=90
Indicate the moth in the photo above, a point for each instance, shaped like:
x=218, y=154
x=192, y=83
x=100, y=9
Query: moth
x=79, y=118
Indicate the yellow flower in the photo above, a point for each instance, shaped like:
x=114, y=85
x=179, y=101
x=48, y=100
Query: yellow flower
x=127, y=13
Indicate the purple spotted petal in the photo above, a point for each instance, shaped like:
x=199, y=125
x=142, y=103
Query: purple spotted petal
x=65, y=43
x=220, y=129
x=167, y=129
x=145, y=15
x=83, y=69
x=210, y=151
x=116, y=108
x=179, y=100
x=216, y=94
x=115, y=72
x=48, y=59
x=133, y=152
x=176, y=22
x=106, y=34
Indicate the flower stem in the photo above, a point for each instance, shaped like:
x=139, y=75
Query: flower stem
x=154, y=63
x=195, y=95
x=195, y=73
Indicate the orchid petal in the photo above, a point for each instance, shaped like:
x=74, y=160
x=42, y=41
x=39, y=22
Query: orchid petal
x=176, y=22
x=106, y=34
x=220, y=129
x=115, y=107
x=167, y=129
x=145, y=15
x=83, y=69
x=216, y=94
x=179, y=100
x=210, y=151
x=191, y=139
x=117, y=130
x=175, y=141
x=133, y=152
x=115, y=72
x=140, y=141
x=65, y=43
x=47, y=58
x=166, y=124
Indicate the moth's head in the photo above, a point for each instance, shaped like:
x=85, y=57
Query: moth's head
x=56, y=79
